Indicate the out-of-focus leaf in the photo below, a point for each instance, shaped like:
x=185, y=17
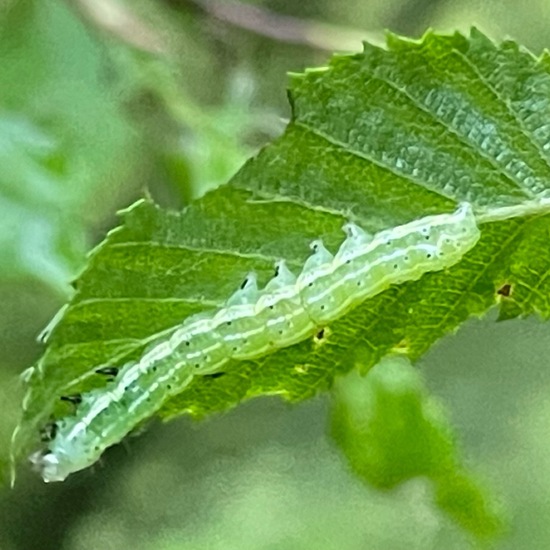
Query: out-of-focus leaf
x=198, y=147
x=391, y=431
x=65, y=145
x=40, y=236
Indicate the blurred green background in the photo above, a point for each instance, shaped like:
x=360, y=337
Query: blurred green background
x=102, y=101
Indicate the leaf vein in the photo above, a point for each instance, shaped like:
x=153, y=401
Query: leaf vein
x=361, y=155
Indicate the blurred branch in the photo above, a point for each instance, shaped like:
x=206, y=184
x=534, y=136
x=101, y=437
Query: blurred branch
x=283, y=28
x=116, y=19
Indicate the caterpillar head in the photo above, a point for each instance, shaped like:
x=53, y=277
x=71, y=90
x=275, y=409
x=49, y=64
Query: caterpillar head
x=48, y=466
x=64, y=455
x=56, y=465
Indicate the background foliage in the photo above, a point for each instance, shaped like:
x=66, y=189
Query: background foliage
x=89, y=118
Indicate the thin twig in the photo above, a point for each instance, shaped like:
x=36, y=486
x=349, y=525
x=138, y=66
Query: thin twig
x=285, y=28
x=116, y=19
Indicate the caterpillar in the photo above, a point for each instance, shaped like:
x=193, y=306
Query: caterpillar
x=253, y=323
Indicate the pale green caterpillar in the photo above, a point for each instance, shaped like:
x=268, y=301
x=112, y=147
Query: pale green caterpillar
x=253, y=323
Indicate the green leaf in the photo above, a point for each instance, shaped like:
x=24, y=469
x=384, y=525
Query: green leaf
x=379, y=138
x=391, y=431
